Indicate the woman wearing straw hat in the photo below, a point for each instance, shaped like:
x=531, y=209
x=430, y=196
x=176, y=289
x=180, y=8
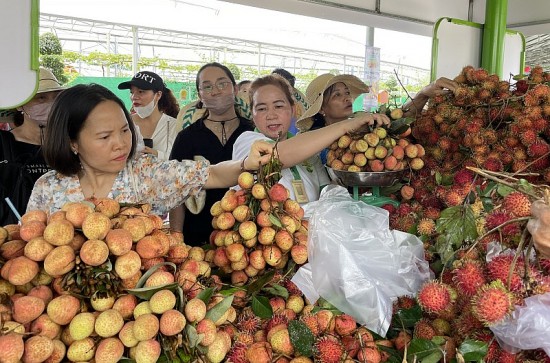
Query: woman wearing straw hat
x=20, y=148
x=330, y=100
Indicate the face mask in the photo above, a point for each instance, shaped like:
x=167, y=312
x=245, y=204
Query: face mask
x=219, y=104
x=39, y=112
x=146, y=111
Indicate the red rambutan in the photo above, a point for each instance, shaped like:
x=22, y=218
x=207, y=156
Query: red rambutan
x=493, y=164
x=518, y=204
x=434, y=297
x=328, y=349
x=463, y=177
x=237, y=353
x=426, y=227
x=468, y=277
x=499, y=269
x=452, y=198
x=492, y=303
x=497, y=218
x=423, y=329
x=248, y=322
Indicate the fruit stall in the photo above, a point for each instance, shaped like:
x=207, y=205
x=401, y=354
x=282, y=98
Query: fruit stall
x=104, y=282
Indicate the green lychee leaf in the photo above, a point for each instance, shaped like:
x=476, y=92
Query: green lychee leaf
x=257, y=285
x=145, y=293
x=275, y=221
x=407, y=318
x=192, y=335
x=277, y=290
x=230, y=291
x=152, y=270
x=394, y=356
x=219, y=309
x=261, y=307
x=301, y=338
x=206, y=294
x=473, y=350
x=423, y=350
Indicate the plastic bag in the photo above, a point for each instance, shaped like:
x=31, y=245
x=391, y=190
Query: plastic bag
x=356, y=263
x=528, y=327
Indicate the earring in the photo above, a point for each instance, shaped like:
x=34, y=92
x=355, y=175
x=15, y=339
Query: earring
x=75, y=152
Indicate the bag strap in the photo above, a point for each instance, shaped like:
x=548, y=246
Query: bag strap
x=7, y=139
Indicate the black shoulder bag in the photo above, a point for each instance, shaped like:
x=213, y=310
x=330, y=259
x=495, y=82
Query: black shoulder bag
x=15, y=181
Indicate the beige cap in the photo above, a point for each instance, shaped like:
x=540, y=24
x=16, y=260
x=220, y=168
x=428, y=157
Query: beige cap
x=315, y=90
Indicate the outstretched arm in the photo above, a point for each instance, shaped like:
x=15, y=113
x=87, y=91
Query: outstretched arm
x=539, y=227
x=303, y=146
x=440, y=86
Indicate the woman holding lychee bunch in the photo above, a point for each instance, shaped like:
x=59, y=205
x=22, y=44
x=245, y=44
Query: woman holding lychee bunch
x=330, y=100
x=272, y=106
x=90, y=143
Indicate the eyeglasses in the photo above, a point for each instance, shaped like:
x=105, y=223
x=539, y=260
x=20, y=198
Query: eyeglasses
x=221, y=85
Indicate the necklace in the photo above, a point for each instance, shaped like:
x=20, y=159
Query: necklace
x=224, y=133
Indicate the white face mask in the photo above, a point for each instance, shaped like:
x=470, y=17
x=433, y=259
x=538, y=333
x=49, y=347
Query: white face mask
x=146, y=111
x=39, y=112
x=219, y=104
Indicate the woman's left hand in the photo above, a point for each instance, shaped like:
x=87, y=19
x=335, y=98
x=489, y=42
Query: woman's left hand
x=260, y=154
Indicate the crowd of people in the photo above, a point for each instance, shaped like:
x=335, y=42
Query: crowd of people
x=81, y=142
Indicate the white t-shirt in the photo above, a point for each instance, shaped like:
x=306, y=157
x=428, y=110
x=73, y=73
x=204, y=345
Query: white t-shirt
x=313, y=179
x=164, y=135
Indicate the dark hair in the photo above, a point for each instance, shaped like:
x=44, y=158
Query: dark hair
x=69, y=112
x=286, y=75
x=274, y=80
x=168, y=103
x=242, y=83
x=226, y=70
x=18, y=118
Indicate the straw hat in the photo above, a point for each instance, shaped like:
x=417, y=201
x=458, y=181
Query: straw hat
x=47, y=82
x=315, y=90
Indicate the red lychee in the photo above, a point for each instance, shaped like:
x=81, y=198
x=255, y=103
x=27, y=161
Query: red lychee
x=278, y=193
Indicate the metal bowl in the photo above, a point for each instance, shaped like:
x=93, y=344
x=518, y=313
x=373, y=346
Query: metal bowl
x=365, y=178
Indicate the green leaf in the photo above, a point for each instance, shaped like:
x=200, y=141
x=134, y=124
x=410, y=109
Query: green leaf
x=473, y=350
x=206, y=294
x=407, y=318
x=273, y=219
x=423, y=349
x=261, y=307
x=439, y=340
x=219, y=309
x=504, y=190
x=277, y=290
x=301, y=337
x=126, y=360
x=230, y=291
x=145, y=293
x=455, y=226
x=257, y=285
x=194, y=337
x=438, y=178
x=184, y=357
x=152, y=270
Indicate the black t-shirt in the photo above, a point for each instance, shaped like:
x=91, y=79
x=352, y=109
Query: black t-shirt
x=29, y=157
x=197, y=139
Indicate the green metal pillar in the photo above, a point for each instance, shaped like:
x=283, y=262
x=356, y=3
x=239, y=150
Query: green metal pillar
x=492, y=53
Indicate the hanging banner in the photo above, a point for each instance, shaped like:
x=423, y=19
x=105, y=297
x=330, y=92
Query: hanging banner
x=372, y=77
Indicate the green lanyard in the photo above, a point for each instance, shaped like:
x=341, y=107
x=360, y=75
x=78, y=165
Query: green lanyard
x=294, y=169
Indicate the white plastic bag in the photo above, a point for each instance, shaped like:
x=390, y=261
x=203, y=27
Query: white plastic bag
x=528, y=327
x=356, y=263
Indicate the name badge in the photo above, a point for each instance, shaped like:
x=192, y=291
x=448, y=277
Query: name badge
x=300, y=191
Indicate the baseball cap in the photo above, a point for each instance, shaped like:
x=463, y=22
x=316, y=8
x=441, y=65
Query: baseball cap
x=144, y=80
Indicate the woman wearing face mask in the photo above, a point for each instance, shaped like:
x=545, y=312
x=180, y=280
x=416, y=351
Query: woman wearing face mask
x=155, y=110
x=21, y=160
x=211, y=137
